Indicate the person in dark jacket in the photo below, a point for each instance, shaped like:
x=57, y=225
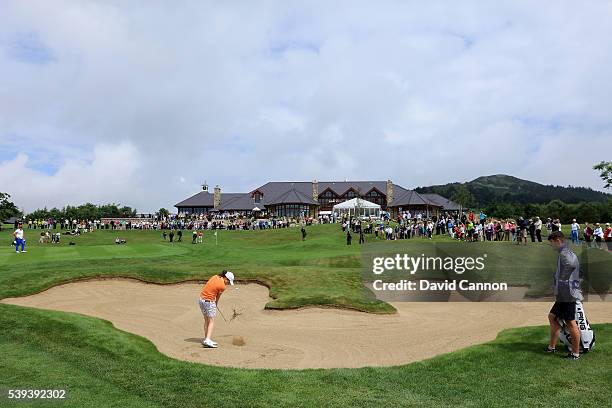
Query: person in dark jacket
x=532, y=229
x=567, y=292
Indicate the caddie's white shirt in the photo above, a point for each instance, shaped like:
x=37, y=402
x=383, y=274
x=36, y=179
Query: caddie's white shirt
x=575, y=226
x=19, y=233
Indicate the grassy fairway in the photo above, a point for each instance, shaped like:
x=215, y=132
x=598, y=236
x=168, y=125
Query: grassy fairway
x=320, y=271
x=102, y=366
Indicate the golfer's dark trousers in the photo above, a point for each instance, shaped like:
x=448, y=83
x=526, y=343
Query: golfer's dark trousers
x=539, y=235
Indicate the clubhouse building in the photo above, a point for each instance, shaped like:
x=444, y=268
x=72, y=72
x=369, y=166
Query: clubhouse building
x=309, y=199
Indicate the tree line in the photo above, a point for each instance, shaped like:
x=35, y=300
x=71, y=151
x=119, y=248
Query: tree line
x=83, y=212
x=8, y=209
x=583, y=212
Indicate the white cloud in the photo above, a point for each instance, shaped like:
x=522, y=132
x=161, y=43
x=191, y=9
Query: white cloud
x=241, y=93
x=112, y=174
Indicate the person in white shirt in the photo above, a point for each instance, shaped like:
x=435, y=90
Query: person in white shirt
x=19, y=240
x=538, y=228
x=599, y=235
x=575, y=228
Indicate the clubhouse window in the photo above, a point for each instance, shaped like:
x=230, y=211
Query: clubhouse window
x=375, y=197
x=350, y=194
x=328, y=199
x=293, y=210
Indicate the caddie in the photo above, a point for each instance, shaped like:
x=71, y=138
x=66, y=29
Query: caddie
x=567, y=291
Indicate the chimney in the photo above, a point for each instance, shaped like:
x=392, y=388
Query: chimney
x=217, y=197
x=315, y=190
x=389, y=191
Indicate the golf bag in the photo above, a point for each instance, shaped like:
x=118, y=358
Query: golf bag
x=587, y=336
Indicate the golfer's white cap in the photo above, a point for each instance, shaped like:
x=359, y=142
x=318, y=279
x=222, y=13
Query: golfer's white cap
x=230, y=276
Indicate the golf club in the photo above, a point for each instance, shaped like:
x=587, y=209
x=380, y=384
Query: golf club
x=221, y=313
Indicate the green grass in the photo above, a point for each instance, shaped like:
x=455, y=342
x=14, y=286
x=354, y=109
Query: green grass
x=103, y=366
x=322, y=270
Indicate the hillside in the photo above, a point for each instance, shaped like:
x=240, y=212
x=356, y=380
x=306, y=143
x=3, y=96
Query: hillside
x=508, y=189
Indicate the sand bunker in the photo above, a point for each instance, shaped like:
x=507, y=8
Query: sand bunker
x=169, y=316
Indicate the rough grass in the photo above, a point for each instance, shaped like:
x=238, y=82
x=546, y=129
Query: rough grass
x=101, y=366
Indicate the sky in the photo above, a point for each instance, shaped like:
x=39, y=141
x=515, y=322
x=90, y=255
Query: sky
x=122, y=102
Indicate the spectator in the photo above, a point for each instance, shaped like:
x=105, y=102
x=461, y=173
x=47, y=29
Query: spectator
x=608, y=236
x=538, y=229
x=588, y=234
x=599, y=235
x=532, y=229
x=575, y=228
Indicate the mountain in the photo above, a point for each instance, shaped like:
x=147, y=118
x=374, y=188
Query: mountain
x=501, y=188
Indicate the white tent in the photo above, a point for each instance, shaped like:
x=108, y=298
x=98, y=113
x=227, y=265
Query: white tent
x=358, y=207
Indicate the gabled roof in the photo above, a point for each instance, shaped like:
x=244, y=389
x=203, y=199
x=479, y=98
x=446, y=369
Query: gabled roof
x=408, y=198
x=363, y=187
x=237, y=202
x=206, y=199
x=201, y=199
x=444, y=202
x=292, y=196
x=300, y=192
x=273, y=189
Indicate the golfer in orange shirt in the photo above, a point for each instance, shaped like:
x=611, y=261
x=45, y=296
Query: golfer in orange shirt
x=209, y=298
